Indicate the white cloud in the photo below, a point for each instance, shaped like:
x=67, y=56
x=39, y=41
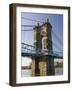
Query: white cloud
x=26, y=61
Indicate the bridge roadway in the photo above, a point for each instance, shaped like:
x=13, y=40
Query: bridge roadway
x=54, y=55
x=29, y=51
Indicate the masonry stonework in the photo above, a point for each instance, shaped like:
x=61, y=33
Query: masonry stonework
x=42, y=66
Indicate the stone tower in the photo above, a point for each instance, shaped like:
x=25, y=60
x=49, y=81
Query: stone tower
x=43, y=65
x=47, y=46
x=38, y=47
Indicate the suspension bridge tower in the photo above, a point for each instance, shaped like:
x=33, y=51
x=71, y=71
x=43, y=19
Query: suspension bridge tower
x=47, y=46
x=38, y=47
x=43, y=65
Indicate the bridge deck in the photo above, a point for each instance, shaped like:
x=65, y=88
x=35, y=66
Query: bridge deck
x=30, y=51
x=41, y=55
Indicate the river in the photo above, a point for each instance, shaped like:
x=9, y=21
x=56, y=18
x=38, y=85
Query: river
x=28, y=72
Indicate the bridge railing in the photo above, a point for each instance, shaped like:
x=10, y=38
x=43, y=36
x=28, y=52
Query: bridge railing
x=27, y=48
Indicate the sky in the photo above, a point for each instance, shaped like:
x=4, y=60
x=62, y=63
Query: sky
x=27, y=37
x=56, y=21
